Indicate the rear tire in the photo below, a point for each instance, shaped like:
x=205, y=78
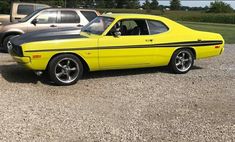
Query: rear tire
x=6, y=43
x=182, y=61
x=65, y=69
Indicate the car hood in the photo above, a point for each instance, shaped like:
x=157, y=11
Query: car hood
x=10, y=23
x=7, y=25
x=44, y=35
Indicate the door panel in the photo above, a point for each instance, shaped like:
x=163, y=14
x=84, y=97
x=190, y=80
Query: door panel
x=125, y=51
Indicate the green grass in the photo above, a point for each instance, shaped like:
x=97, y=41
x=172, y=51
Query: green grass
x=226, y=30
x=192, y=16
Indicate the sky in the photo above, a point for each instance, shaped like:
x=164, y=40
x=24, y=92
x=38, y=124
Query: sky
x=194, y=3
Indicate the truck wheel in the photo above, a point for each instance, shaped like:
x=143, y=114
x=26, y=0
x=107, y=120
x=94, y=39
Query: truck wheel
x=182, y=61
x=65, y=69
x=6, y=43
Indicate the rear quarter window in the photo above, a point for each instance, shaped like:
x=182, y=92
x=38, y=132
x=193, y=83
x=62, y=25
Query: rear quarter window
x=25, y=9
x=156, y=27
x=90, y=15
x=69, y=17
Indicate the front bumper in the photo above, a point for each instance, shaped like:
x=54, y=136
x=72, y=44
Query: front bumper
x=16, y=52
x=21, y=60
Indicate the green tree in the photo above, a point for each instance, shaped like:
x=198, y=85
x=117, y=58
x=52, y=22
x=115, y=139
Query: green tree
x=220, y=7
x=100, y=4
x=120, y=3
x=127, y=3
x=4, y=7
x=110, y=3
x=71, y=3
x=89, y=3
x=175, y=5
x=154, y=4
x=147, y=6
x=133, y=4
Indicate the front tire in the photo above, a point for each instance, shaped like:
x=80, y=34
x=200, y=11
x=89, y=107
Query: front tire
x=182, y=61
x=65, y=69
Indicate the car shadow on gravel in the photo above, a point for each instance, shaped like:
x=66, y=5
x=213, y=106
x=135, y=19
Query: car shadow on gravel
x=129, y=72
x=17, y=74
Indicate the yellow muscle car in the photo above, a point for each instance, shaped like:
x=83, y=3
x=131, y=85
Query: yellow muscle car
x=114, y=41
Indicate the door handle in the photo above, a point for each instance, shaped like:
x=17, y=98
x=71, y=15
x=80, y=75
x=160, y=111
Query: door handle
x=53, y=26
x=79, y=26
x=149, y=40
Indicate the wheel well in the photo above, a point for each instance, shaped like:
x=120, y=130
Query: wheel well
x=191, y=49
x=10, y=33
x=86, y=67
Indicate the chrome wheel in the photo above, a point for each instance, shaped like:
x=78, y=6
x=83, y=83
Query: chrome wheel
x=183, y=61
x=67, y=70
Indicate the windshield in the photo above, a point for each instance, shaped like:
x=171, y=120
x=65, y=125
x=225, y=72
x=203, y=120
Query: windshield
x=98, y=25
x=29, y=16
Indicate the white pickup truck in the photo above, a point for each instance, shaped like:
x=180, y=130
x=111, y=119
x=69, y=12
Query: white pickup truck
x=4, y=18
x=19, y=11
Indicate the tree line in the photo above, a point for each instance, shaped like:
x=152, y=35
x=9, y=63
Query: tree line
x=217, y=6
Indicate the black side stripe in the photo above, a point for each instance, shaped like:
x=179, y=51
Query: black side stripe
x=174, y=44
x=191, y=43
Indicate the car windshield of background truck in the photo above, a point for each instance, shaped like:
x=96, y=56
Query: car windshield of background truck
x=29, y=16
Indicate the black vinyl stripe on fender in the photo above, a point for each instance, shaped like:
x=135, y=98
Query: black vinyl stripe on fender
x=173, y=44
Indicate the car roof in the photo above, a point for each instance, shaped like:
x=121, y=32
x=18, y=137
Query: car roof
x=28, y=3
x=132, y=15
x=80, y=9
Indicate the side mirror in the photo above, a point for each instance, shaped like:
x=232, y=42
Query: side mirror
x=35, y=21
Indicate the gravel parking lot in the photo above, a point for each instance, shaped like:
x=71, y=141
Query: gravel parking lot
x=127, y=105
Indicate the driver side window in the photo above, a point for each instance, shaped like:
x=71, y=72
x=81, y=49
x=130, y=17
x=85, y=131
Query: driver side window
x=47, y=17
x=130, y=27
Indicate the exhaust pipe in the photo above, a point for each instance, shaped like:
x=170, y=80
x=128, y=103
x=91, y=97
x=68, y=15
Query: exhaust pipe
x=38, y=73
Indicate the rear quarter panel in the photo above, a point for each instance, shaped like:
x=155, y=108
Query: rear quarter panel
x=209, y=50
x=180, y=33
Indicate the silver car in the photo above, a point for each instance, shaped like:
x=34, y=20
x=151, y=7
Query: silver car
x=50, y=18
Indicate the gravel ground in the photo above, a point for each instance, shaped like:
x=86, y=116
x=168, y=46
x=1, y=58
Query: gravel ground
x=128, y=105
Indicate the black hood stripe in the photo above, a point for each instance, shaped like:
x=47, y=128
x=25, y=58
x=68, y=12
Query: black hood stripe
x=57, y=37
x=162, y=45
x=48, y=34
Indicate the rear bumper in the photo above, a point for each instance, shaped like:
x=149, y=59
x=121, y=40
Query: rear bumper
x=222, y=50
